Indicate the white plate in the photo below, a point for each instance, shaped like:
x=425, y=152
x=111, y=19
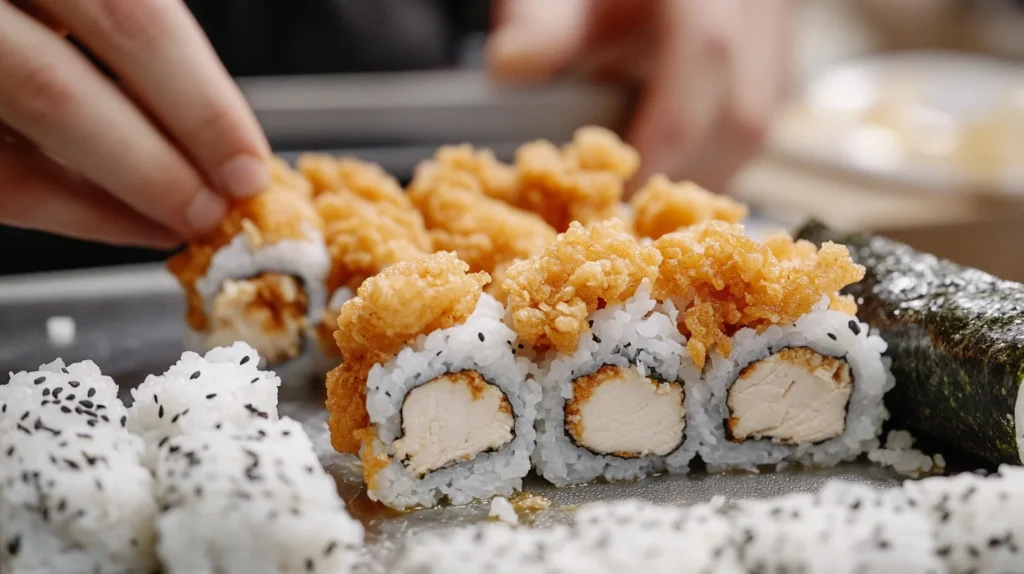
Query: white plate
x=933, y=120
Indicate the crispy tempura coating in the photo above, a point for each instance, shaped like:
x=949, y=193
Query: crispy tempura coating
x=581, y=182
x=662, y=206
x=586, y=268
x=365, y=179
x=389, y=311
x=731, y=281
x=363, y=237
x=283, y=211
x=486, y=233
x=492, y=177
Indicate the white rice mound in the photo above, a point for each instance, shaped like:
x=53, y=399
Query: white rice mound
x=58, y=397
x=976, y=521
x=225, y=390
x=252, y=503
x=865, y=410
x=451, y=350
x=641, y=332
x=900, y=455
x=78, y=503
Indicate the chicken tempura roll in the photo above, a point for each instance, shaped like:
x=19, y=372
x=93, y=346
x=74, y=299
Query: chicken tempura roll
x=260, y=277
x=431, y=392
x=614, y=388
x=789, y=379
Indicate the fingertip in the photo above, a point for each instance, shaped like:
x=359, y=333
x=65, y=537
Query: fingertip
x=205, y=212
x=537, y=39
x=244, y=176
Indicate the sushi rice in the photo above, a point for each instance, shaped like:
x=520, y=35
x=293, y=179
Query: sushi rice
x=829, y=333
x=640, y=334
x=482, y=344
x=251, y=503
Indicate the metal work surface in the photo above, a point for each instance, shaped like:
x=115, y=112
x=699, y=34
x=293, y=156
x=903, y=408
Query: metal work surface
x=130, y=323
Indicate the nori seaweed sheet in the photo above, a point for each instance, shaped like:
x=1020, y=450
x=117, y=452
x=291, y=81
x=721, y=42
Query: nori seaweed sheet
x=956, y=339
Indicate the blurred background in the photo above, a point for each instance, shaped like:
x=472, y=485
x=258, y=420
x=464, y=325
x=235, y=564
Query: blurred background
x=908, y=118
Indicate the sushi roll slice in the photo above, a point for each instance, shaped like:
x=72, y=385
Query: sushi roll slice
x=58, y=397
x=793, y=375
x=431, y=393
x=224, y=390
x=259, y=278
x=257, y=502
x=955, y=336
x=614, y=385
x=369, y=223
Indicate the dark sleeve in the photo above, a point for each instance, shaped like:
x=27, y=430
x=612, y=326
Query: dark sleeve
x=277, y=37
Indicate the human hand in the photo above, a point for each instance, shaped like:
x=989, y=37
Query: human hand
x=135, y=160
x=713, y=71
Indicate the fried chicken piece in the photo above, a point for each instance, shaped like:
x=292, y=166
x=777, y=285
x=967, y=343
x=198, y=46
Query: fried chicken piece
x=486, y=233
x=389, y=311
x=662, y=207
x=586, y=268
x=730, y=281
x=283, y=211
x=581, y=182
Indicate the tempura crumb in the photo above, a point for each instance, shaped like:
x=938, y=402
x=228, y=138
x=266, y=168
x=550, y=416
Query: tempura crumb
x=283, y=211
x=390, y=310
x=586, y=268
x=491, y=177
x=486, y=233
x=662, y=207
x=363, y=237
x=365, y=179
x=582, y=182
x=731, y=281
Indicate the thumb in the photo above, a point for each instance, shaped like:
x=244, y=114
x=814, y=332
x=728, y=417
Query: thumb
x=536, y=39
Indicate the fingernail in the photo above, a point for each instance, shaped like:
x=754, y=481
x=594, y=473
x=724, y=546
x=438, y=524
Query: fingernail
x=244, y=176
x=206, y=211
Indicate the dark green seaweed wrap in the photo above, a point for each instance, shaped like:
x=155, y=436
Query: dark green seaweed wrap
x=956, y=339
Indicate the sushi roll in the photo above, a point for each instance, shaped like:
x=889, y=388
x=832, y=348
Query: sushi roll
x=614, y=385
x=259, y=278
x=790, y=374
x=431, y=393
x=955, y=336
x=251, y=503
x=223, y=390
x=369, y=223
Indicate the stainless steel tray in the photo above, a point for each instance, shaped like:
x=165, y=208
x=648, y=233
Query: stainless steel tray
x=129, y=321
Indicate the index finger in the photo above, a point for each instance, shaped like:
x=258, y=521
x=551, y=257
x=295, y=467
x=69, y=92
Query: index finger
x=163, y=58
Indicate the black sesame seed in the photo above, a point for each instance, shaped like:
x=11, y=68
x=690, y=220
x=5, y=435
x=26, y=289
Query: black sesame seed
x=13, y=545
x=597, y=339
x=163, y=441
x=74, y=384
x=87, y=403
x=854, y=326
x=194, y=376
x=25, y=416
x=244, y=360
x=211, y=395
x=46, y=392
x=176, y=417
x=57, y=392
x=124, y=420
x=40, y=380
x=309, y=564
x=91, y=422
x=91, y=393
x=10, y=451
x=65, y=410
x=70, y=397
x=254, y=381
x=832, y=336
x=160, y=413
x=480, y=336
